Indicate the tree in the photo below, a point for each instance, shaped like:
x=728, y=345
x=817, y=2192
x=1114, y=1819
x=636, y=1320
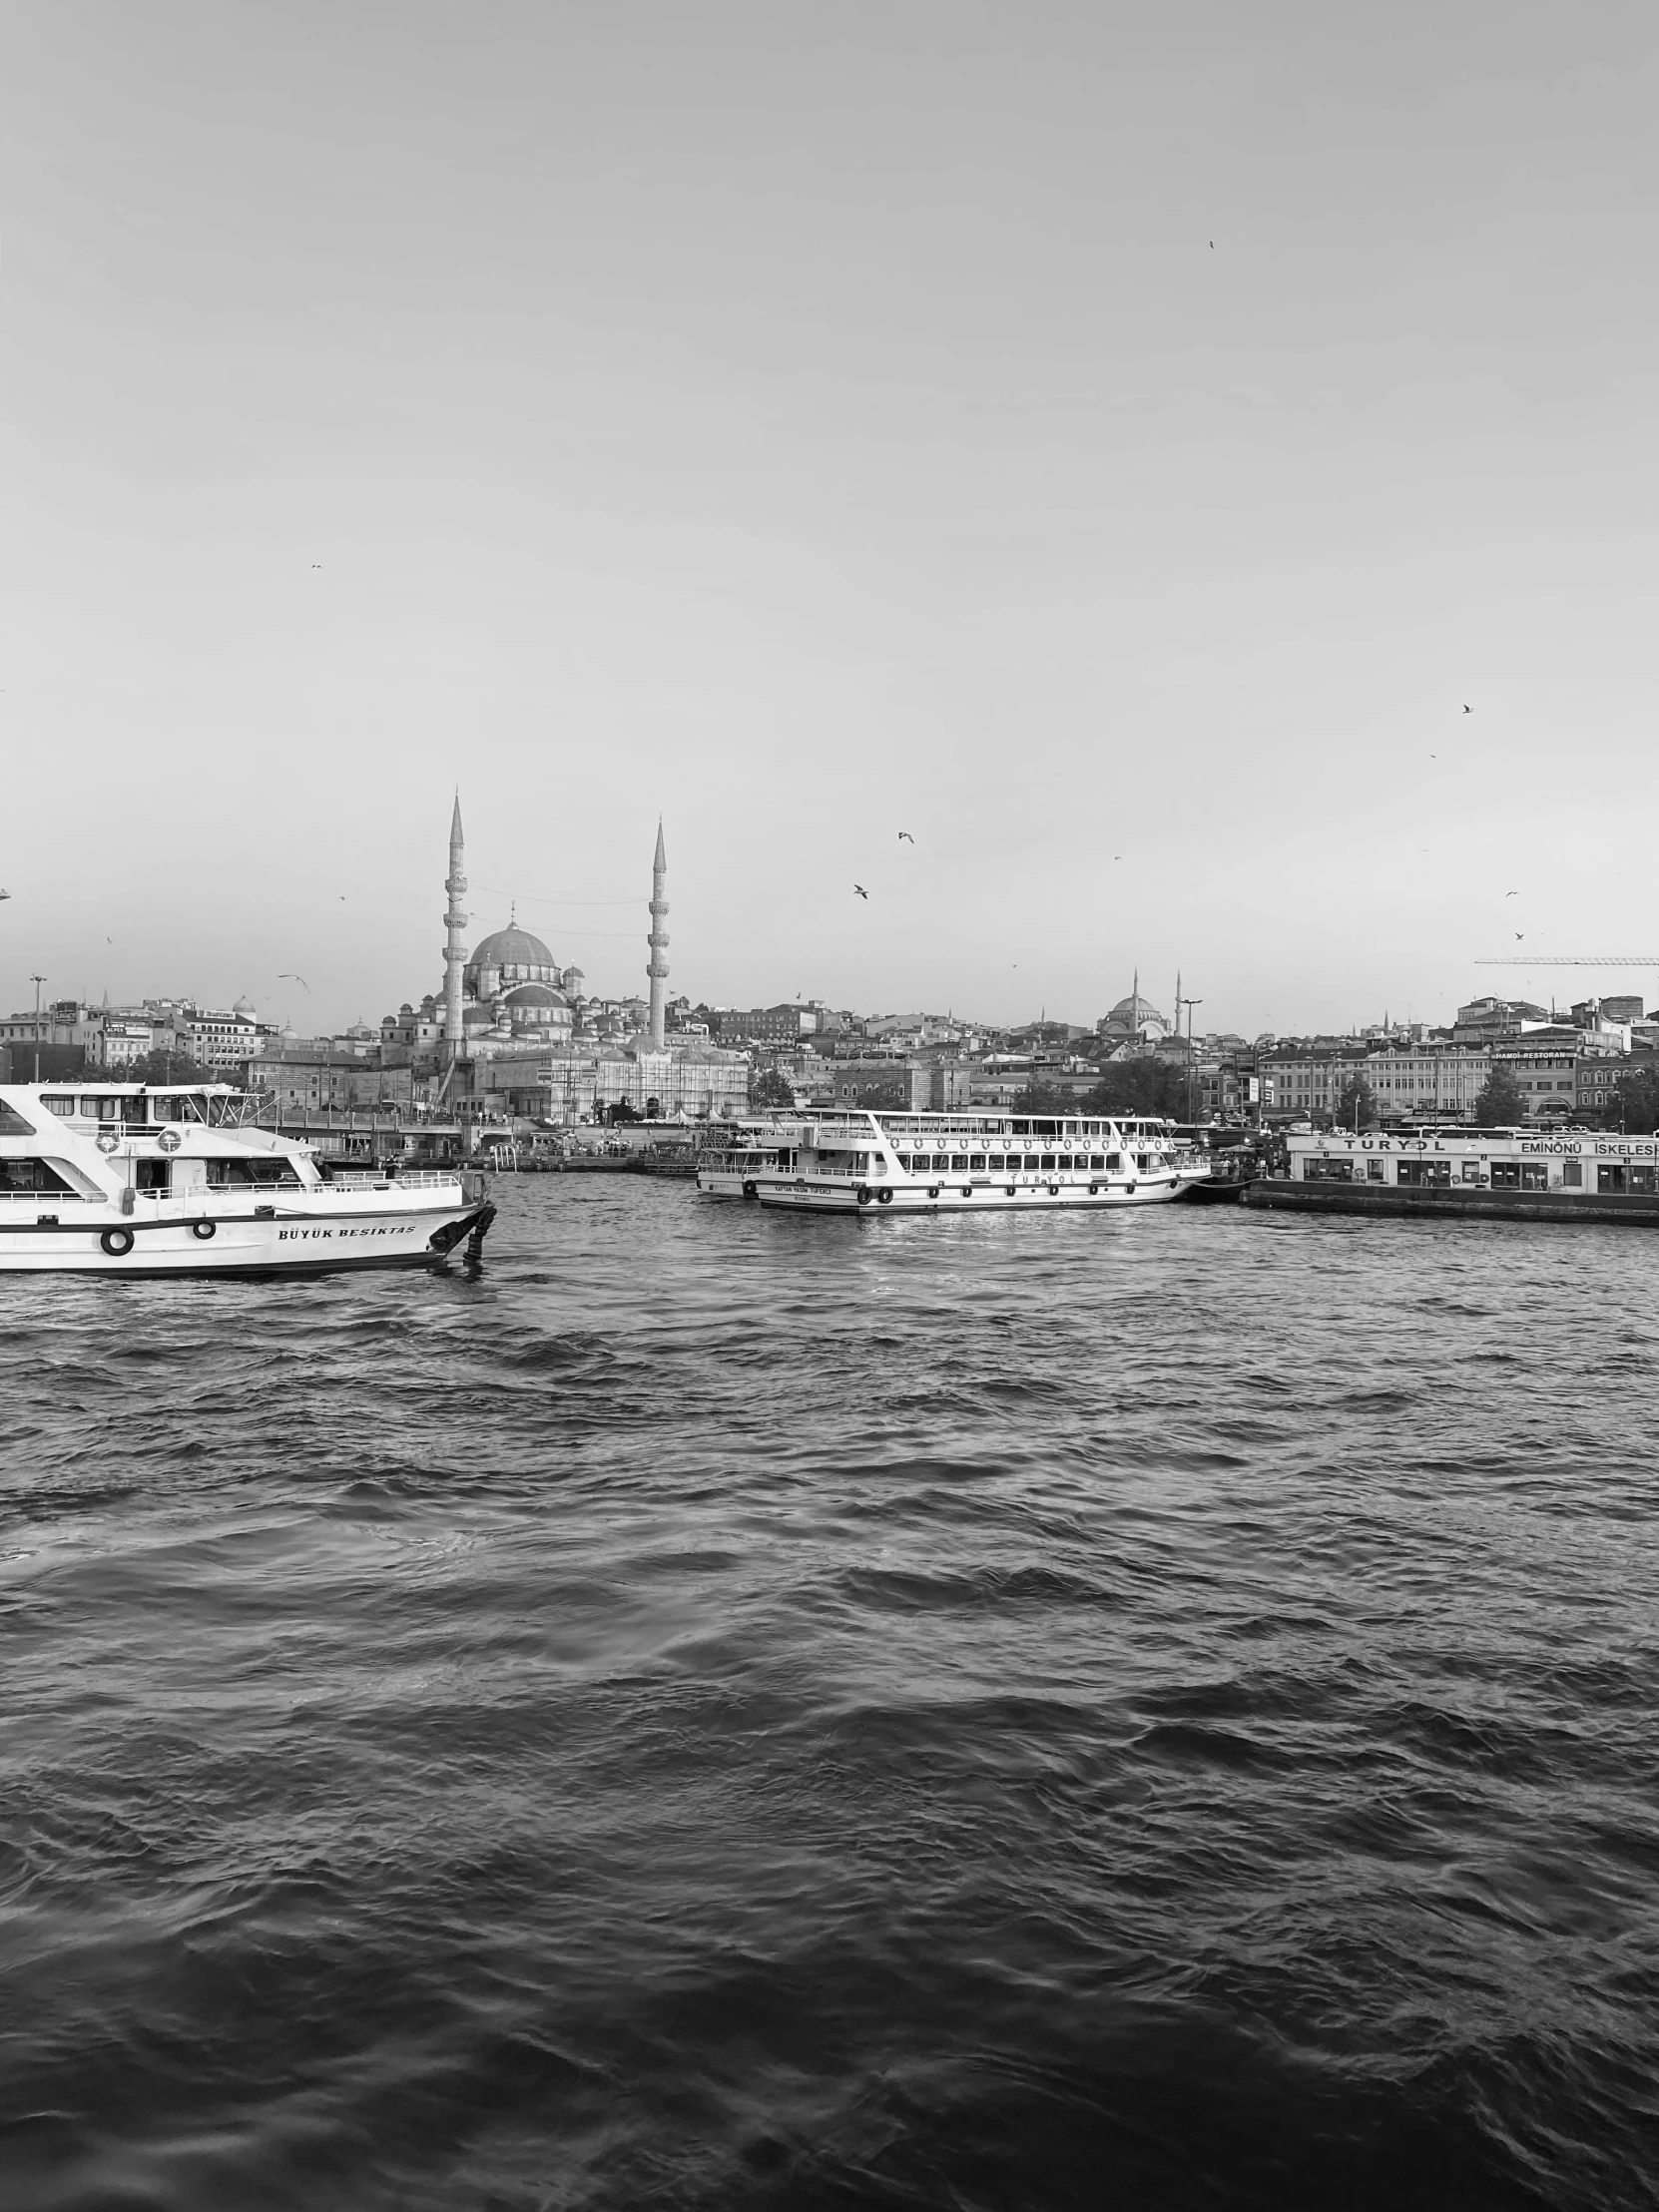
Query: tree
x=1634, y=1105
x=1044, y=1099
x=1356, y=1104
x=1149, y=1088
x=770, y=1088
x=172, y=1067
x=1500, y=1103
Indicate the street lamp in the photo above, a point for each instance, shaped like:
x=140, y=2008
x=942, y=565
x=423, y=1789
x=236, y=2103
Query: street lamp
x=1192, y=1071
x=37, y=982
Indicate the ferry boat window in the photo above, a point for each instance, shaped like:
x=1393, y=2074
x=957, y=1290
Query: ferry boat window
x=56, y=1104
x=1534, y=1174
x=154, y=1175
x=1641, y=1179
x=1114, y=1159
x=224, y=1112
x=1030, y=1160
x=1506, y=1175
x=1610, y=1175
x=1140, y=1162
x=1471, y=1170
x=1572, y=1174
x=34, y=1175
x=12, y=1122
x=1376, y=1172
x=239, y=1173
x=1046, y=1161
x=1097, y=1159
x=958, y=1160
x=994, y=1163
x=1330, y=1170
x=975, y=1160
x=101, y=1109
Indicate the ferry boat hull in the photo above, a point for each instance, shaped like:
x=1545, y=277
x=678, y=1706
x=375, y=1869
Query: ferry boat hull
x=1277, y=1194
x=315, y=1242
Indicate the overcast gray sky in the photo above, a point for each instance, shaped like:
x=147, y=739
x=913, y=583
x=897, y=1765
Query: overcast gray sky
x=817, y=422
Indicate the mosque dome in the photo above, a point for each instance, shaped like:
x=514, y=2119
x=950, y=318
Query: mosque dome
x=535, y=994
x=509, y=949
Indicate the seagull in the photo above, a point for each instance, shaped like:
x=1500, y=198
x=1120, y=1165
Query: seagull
x=1511, y=895
x=286, y=977
x=860, y=888
x=1519, y=936
x=1468, y=710
x=5, y=894
x=905, y=838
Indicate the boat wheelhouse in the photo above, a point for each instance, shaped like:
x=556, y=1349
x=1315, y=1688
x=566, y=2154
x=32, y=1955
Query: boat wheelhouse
x=1542, y=1174
x=142, y=1179
x=890, y=1163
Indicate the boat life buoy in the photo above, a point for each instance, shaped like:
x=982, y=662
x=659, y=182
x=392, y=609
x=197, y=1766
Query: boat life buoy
x=749, y=1191
x=108, y=1139
x=865, y=1194
x=170, y=1140
x=204, y=1228
x=885, y=1197
x=117, y=1241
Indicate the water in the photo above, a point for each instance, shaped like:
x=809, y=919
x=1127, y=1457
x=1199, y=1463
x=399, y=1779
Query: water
x=729, y=1711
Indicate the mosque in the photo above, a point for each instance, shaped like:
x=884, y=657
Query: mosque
x=510, y=1019
x=1135, y=1020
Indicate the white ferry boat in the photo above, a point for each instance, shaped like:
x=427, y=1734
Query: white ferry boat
x=883, y=1164
x=118, y=1179
x=1535, y=1174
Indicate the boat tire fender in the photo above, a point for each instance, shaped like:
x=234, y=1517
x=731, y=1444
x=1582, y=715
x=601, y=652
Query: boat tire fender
x=932, y=1190
x=117, y=1241
x=885, y=1197
x=1054, y=1190
x=1010, y=1189
x=967, y=1190
x=749, y=1191
x=1129, y=1188
x=204, y=1228
x=865, y=1194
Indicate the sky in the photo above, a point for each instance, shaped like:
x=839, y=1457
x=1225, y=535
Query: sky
x=1114, y=446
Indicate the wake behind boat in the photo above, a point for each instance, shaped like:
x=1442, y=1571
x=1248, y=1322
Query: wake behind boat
x=118, y=1179
x=882, y=1163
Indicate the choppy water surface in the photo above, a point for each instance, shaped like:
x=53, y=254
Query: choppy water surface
x=726, y=1710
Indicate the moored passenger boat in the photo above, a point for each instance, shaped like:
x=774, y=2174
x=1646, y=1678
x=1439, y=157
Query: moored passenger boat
x=124, y=1179
x=1530, y=1174
x=890, y=1163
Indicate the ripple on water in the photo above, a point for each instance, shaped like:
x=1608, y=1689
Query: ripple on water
x=723, y=1712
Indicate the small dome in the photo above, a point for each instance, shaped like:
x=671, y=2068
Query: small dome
x=534, y=994
x=511, y=947
x=244, y=1006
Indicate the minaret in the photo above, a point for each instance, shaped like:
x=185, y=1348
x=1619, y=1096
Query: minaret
x=454, y=952
x=656, y=966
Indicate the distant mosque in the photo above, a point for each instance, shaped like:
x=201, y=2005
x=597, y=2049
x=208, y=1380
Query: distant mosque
x=529, y=1033
x=1135, y=1020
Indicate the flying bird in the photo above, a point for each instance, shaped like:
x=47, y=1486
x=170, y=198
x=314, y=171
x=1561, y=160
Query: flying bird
x=1520, y=935
x=1468, y=710
x=1511, y=895
x=5, y=894
x=905, y=838
x=286, y=977
x=860, y=888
